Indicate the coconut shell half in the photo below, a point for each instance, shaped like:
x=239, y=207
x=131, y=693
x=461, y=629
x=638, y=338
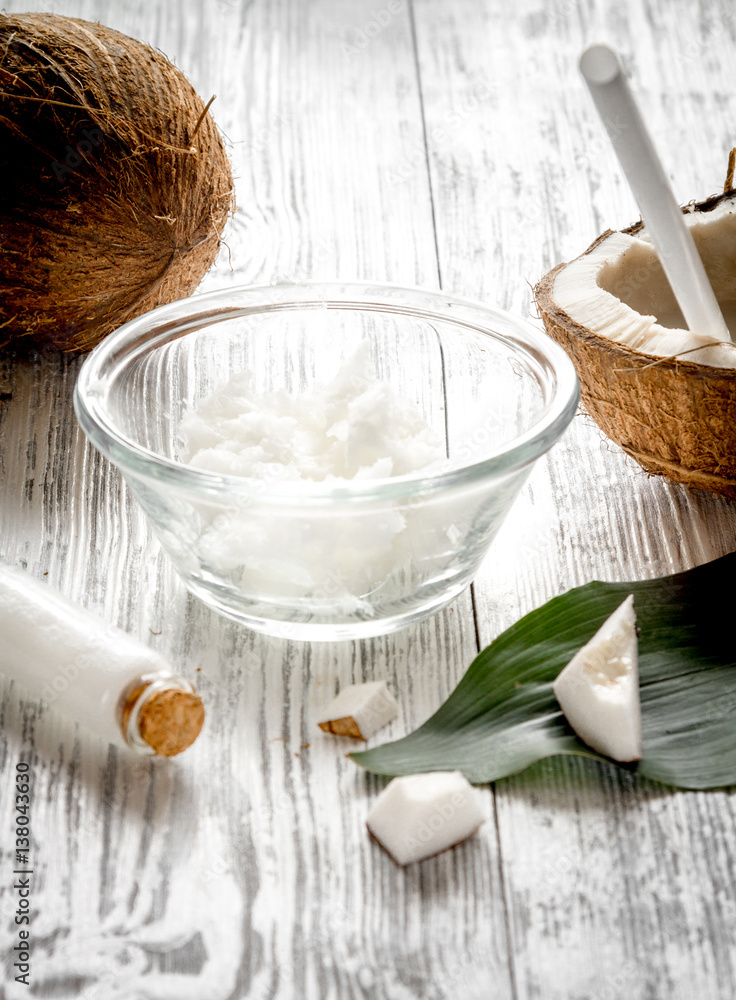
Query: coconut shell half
x=677, y=418
x=116, y=184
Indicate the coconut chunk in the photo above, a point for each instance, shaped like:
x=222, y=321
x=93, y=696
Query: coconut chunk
x=598, y=691
x=359, y=710
x=420, y=815
x=618, y=290
x=663, y=393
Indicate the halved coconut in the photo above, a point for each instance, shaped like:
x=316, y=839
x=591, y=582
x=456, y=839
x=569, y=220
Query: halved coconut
x=665, y=394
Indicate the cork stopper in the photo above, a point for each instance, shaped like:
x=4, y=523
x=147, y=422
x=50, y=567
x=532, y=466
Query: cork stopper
x=171, y=721
x=161, y=715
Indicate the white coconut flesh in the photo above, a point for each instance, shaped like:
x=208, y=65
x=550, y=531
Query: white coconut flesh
x=619, y=290
x=359, y=710
x=598, y=691
x=420, y=815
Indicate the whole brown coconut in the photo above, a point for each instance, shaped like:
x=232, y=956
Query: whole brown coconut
x=675, y=416
x=116, y=182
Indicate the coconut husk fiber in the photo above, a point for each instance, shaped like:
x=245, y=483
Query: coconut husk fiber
x=117, y=184
x=676, y=418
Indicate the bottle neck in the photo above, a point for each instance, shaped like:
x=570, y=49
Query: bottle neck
x=160, y=714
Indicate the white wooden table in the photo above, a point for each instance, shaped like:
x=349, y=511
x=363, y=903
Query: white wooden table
x=424, y=142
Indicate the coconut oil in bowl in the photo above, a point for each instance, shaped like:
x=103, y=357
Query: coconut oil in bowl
x=328, y=461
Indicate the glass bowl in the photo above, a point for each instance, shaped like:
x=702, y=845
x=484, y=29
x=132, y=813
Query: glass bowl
x=340, y=558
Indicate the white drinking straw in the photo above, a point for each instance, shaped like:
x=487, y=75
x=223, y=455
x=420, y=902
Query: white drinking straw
x=673, y=241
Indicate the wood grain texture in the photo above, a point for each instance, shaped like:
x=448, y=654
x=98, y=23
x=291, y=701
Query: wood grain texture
x=244, y=869
x=452, y=142
x=606, y=872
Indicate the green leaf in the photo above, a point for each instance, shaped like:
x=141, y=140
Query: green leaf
x=503, y=717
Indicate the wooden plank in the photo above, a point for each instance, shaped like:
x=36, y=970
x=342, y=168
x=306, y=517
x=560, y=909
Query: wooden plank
x=242, y=868
x=614, y=887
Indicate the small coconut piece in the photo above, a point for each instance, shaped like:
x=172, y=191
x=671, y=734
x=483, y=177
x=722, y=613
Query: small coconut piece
x=598, y=691
x=360, y=710
x=420, y=815
x=665, y=394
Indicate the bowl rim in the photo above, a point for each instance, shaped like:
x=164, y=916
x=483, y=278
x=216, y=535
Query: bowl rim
x=174, y=320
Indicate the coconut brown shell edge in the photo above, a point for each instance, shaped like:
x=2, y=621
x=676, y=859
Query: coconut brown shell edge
x=117, y=187
x=675, y=418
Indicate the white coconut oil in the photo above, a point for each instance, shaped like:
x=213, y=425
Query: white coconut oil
x=354, y=427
